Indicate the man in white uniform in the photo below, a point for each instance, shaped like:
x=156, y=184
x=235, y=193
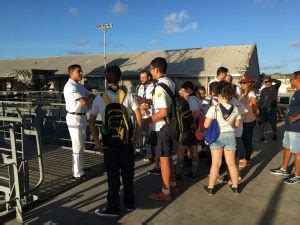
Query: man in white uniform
x=77, y=99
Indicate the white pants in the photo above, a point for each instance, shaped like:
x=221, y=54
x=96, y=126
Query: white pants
x=77, y=128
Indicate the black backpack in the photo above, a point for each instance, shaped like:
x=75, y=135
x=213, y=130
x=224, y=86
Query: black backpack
x=180, y=117
x=117, y=129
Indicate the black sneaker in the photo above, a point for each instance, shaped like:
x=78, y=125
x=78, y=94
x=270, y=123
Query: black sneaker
x=279, y=171
x=154, y=171
x=234, y=190
x=274, y=137
x=292, y=180
x=208, y=191
x=104, y=212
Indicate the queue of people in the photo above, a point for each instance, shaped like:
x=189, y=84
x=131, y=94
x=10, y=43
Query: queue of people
x=184, y=119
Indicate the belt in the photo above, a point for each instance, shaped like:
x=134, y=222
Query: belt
x=79, y=114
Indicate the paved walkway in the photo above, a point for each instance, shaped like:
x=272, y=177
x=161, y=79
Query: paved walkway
x=264, y=199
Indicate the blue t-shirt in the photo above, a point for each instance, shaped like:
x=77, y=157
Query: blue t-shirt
x=293, y=110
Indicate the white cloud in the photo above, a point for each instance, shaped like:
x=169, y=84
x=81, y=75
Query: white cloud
x=119, y=8
x=155, y=42
x=274, y=67
x=73, y=11
x=295, y=44
x=176, y=23
x=81, y=42
x=75, y=52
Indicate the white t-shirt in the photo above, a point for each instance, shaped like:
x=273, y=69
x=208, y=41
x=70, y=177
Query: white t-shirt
x=72, y=93
x=242, y=111
x=213, y=80
x=99, y=105
x=228, y=125
x=195, y=104
x=161, y=100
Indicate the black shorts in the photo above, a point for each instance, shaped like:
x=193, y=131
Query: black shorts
x=188, y=139
x=164, y=143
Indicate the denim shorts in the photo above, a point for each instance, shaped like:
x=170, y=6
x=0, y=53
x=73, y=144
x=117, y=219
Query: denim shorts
x=291, y=141
x=226, y=140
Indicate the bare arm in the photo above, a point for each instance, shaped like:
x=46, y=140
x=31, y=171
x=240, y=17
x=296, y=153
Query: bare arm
x=253, y=103
x=86, y=101
x=237, y=123
x=293, y=119
x=93, y=129
x=138, y=117
x=207, y=122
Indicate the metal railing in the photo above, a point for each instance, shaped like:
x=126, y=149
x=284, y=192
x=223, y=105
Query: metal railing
x=18, y=193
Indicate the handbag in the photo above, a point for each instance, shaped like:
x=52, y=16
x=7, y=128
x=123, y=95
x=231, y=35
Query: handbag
x=213, y=131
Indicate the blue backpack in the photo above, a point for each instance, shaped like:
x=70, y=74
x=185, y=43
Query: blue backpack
x=212, y=133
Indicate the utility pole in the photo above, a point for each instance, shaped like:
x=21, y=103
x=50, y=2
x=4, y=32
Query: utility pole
x=104, y=28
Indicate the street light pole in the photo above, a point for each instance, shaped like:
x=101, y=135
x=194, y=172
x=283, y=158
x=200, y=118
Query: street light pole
x=104, y=28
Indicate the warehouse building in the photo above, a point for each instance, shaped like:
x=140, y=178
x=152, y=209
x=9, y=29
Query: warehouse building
x=198, y=65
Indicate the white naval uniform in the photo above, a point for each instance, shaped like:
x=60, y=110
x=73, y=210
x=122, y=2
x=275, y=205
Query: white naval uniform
x=141, y=90
x=76, y=123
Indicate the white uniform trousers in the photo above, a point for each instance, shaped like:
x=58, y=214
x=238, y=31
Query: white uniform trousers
x=77, y=128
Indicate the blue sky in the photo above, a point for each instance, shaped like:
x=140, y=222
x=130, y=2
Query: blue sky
x=38, y=28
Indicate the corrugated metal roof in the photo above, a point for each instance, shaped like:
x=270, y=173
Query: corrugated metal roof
x=183, y=62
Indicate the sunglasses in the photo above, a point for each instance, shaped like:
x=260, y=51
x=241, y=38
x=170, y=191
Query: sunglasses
x=267, y=81
x=244, y=82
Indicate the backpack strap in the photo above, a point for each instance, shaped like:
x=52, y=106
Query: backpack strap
x=105, y=98
x=121, y=96
x=171, y=95
x=108, y=101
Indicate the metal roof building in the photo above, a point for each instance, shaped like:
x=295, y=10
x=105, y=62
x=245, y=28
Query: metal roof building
x=198, y=64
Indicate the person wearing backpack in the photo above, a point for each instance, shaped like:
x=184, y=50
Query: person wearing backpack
x=189, y=140
x=114, y=107
x=227, y=117
x=162, y=121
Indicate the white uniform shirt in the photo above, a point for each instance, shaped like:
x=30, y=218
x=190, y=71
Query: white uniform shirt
x=99, y=105
x=161, y=100
x=72, y=93
x=141, y=90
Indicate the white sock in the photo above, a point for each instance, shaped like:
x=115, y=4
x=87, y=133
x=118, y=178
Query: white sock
x=165, y=191
x=173, y=184
x=283, y=169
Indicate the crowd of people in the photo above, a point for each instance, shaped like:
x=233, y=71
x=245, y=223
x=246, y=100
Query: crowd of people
x=219, y=123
